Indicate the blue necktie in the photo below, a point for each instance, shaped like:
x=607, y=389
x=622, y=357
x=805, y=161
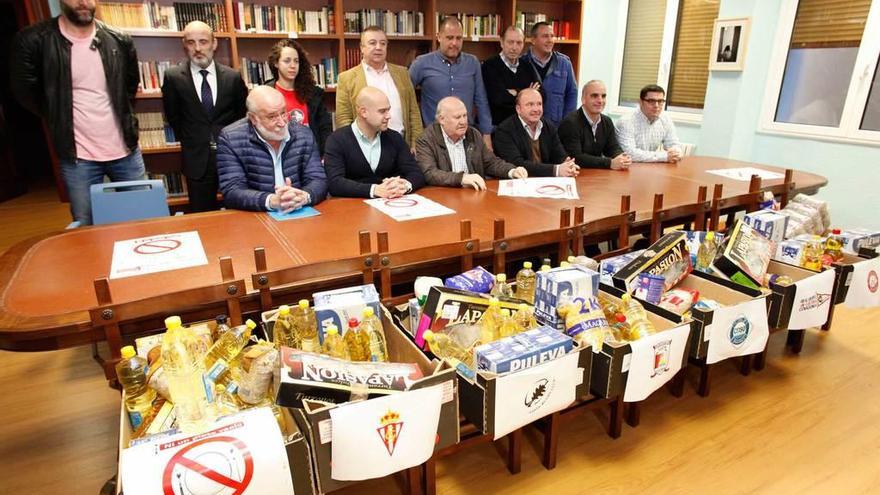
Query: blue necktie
x=207, y=96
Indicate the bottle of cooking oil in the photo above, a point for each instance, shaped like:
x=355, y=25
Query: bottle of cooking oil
x=352, y=342
x=191, y=391
x=131, y=371
x=834, y=246
x=222, y=326
x=501, y=288
x=333, y=344
x=307, y=327
x=371, y=325
x=525, y=283
x=507, y=325
x=225, y=403
x=525, y=317
x=226, y=349
x=813, y=251
x=489, y=322
x=706, y=253
x=639, y=325
x=442, y=346
x=284, y=331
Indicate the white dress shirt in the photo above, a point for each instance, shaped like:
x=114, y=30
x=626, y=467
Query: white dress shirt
x=197, y=79
x=383, y=81
x=593, y=125
x=646, y=141
x=510, y=66
x=277, y=161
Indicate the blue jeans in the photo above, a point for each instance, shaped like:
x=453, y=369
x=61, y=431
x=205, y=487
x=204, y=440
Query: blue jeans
x=79, y=175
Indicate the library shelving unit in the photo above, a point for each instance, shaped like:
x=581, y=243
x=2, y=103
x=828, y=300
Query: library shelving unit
x=239, y=41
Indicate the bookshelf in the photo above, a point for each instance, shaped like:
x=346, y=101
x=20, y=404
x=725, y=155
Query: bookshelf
x=248, y=29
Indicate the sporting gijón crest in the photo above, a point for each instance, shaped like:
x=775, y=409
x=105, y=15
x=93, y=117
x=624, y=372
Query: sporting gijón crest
x=389, y=430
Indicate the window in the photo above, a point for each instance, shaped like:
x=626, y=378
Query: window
x=823, y=79
x=667, y=42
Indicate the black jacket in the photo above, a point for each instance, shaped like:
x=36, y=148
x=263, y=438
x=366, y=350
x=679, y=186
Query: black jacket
x=41, y=79
x=513, y=144
x=587, y=150
x=193, y=127
x=348, y=172
x=320, y=120
x=498, y=79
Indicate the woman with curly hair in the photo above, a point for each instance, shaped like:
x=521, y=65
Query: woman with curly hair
x=293, y=77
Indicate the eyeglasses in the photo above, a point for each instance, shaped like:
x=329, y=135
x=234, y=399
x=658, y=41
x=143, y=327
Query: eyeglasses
x=283, y=115
x=652, y=101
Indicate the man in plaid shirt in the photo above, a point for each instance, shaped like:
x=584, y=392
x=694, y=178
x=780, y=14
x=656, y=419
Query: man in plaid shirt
x=648, y=135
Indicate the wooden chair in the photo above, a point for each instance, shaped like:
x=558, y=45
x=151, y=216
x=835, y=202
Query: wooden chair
x=747, y=202
x=340, y=269
x=561, y=237
x=694, y=212
x=109, y=315
x=783, y=191
x=462, y=249
x=613, y=228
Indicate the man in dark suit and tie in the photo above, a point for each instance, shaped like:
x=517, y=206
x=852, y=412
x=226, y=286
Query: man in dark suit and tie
x=201, y=97
x=589, y=135
x=368, y=160
x=528, y=140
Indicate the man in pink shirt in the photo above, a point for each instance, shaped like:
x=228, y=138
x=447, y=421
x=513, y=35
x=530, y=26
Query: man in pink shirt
x=81, y=76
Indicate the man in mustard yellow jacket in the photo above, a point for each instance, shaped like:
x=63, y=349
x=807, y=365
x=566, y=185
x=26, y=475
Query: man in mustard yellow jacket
x=393, y=80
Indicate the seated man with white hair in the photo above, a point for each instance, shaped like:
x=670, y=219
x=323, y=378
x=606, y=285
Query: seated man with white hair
x=267, y=161
x=452, y=153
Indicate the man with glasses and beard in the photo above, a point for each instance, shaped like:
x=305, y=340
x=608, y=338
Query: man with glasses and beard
x=201, y=97
x=267, y=162
x=81, y=76
x=648, y=135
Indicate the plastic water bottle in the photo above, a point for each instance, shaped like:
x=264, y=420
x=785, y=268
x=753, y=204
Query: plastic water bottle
x=132, y=373
x=525, y=283
x=191, y=391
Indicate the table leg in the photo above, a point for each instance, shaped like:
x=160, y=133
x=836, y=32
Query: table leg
x=633, y=414
x=551, y=440
x=514, y=451
x=704, y=387
x=615, y=422
x=745, y=367
x=429, y=477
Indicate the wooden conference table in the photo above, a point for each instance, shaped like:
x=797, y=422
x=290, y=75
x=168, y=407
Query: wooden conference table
x=46, y=283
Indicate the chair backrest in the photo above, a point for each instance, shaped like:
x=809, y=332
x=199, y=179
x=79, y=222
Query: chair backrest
x=687, y=149
x=747, y=202
x=693, y=212
x=461, y=251
x=560, y=237
x=130, y=200
x=109, y=315
x=329, y=272
x=613, y=228
x=784, y=190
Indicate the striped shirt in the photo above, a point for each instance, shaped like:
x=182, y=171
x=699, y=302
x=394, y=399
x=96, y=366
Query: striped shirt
x=457, y=156
x=647, y=141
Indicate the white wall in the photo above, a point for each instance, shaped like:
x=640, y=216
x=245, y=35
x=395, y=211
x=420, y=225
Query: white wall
x=732, y=113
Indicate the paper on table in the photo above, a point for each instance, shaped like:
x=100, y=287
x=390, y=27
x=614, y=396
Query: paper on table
x=409, y=207
x=540, y=187
x=745, y=173
x=156, y=254
x=304, y=212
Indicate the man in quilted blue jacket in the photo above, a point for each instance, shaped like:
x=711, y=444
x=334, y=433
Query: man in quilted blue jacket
x=268, y=162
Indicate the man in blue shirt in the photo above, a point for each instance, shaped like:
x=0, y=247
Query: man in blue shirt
x=555, y=73
x=449, y=72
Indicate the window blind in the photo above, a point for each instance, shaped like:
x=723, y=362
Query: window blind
x=641, y=50
x=829, y=23
x=690, y=58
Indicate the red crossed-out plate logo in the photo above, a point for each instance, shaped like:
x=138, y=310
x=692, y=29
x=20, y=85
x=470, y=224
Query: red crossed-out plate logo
x=157, y=246
x=219, y=465
x=550, y=190
x=401, y=202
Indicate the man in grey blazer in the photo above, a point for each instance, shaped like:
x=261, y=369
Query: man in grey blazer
x=451, y=153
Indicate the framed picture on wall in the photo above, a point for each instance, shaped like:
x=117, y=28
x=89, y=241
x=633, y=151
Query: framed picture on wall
x=729, y=40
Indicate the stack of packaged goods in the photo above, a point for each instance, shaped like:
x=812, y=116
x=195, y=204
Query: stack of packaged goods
x=190, y=376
